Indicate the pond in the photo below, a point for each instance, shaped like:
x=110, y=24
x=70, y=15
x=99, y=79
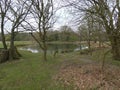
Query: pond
x=60, y=48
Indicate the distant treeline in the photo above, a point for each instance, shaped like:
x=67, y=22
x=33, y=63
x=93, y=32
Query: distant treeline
x=67, y=35
x=59, y=35
x=19, y=37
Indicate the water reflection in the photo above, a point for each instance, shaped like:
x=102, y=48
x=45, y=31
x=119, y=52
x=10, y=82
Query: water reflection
x=30, y=49
x=59, y=48
x=81, y=48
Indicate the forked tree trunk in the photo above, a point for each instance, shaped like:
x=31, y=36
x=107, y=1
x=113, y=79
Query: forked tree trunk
x=13, y=53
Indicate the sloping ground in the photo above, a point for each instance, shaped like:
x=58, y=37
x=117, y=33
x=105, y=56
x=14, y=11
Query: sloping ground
x=89, y=77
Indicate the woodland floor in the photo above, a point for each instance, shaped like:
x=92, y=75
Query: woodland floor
x=88, y=75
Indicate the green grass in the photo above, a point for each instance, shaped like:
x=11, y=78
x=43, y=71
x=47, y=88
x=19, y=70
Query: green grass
x=31, y=73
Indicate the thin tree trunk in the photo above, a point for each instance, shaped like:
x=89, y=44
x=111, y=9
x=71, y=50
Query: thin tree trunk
x=2, y=34
x=100, y=42
x=45, y=55
x=80, y=44
x=45, y=49
x=89, y=45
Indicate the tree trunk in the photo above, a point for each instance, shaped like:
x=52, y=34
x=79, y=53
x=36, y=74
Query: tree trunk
x=11, y=50
x=13, y=53
x=45, y=55
x=3, y=40
x=2, y=34
x=89, y=45
x=115, y=43
x=100, y=42
x=45, y=49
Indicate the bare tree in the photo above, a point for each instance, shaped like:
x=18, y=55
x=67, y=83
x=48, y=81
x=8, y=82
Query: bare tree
x=17, y=14
x=108, y=12
x=42, y=17
x=4, y=7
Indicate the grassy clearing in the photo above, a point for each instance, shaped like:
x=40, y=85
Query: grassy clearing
x=31, y=73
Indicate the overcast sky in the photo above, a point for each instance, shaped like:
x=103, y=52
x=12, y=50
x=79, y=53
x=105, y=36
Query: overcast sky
x=64, y=16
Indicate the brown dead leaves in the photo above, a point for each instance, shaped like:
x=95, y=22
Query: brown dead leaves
x=89, y=77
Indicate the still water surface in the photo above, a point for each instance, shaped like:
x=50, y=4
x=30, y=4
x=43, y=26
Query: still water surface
x=55, y=47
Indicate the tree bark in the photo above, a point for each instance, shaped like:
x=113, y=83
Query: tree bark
x=2, y=33
x=45, y=55
x=115, y=43
x=11, y=53
x=45, y=48
x=11, y=50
